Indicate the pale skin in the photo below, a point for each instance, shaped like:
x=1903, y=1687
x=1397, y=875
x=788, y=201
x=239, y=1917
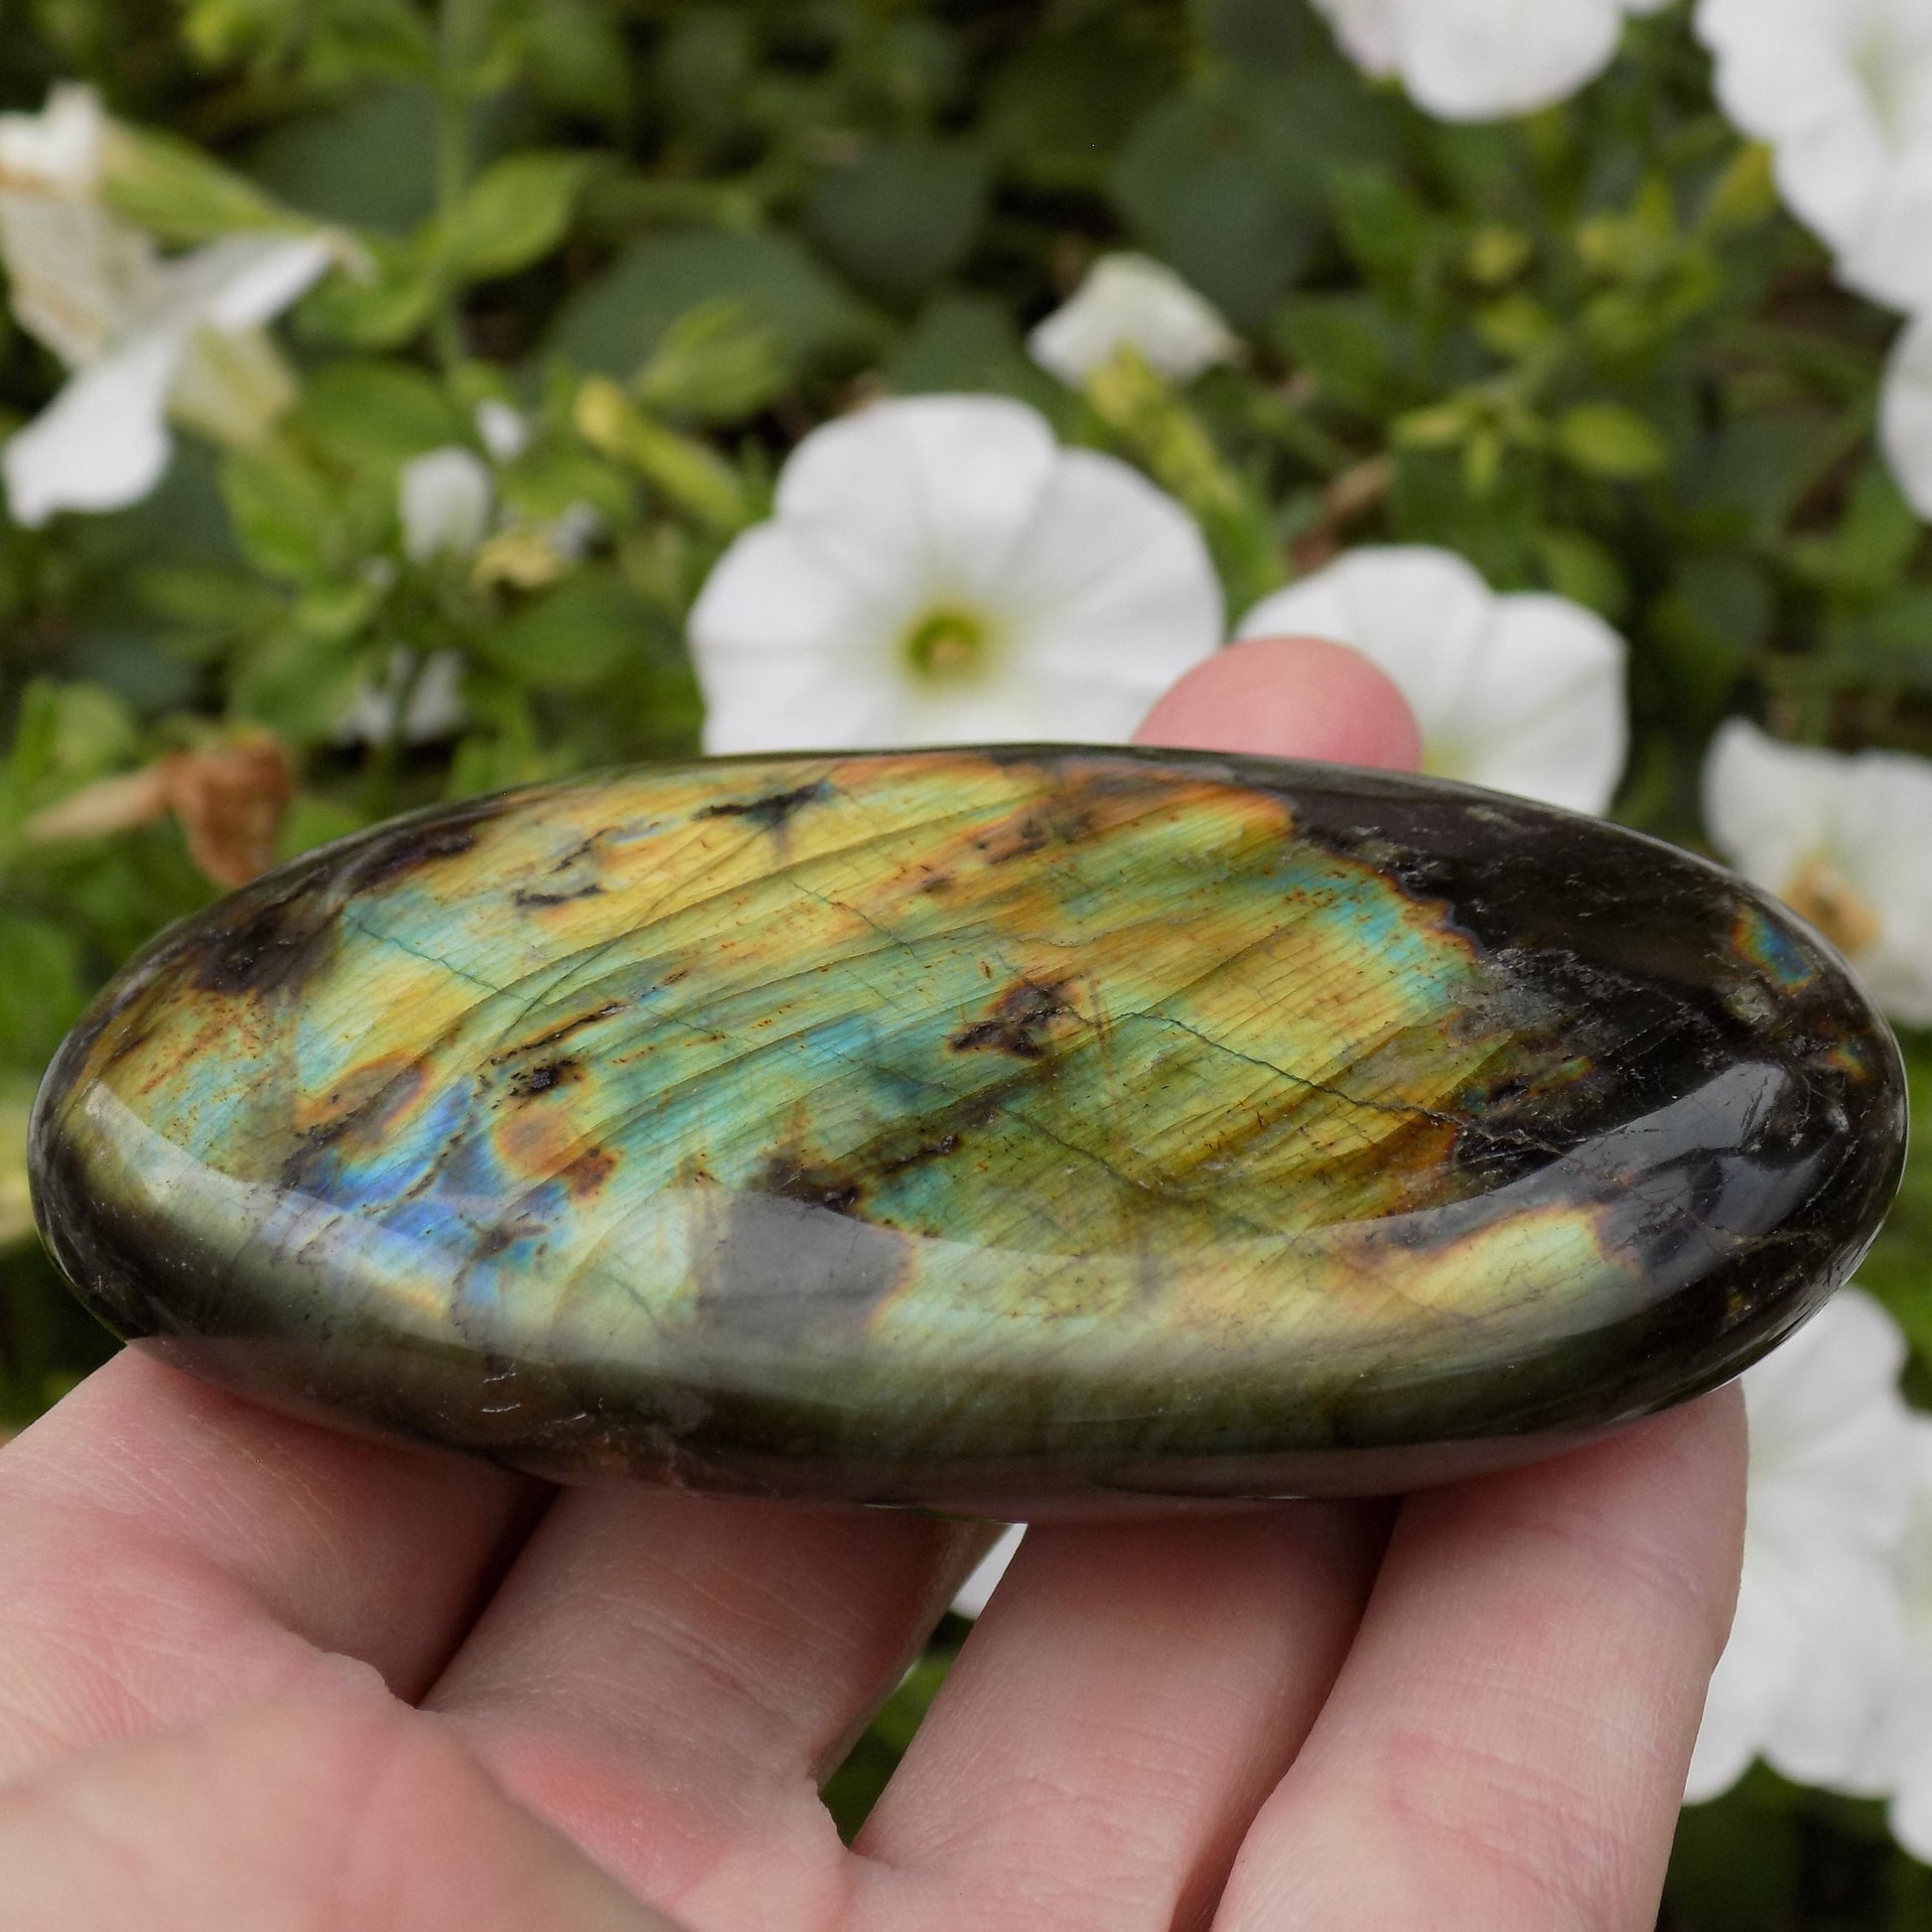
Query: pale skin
x=257, y=1674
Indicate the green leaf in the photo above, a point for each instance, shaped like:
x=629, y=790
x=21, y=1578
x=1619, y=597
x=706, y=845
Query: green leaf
x=171, y=188
x=1604, y=439
x=574, y=637
x=1266, y=34
x=1209, y=206
x=684, y=471
x=283, y=512
x=717, y=363
x=615, y=323
x=1891, y=641
x=1383, y=225
x=1063, y=103
x=381, y=306
x=1880, y=533
x=334, y=42
x=1587, y=570
x=1360, y=355
x=296, y=684
x=382, y=412
x=1713, y=620
x=1227, y=183
x=1750, y=478
x=901, y=216
x=368, y=164
x=66, y=735
x=1735, y=1865
x=574, y=55
x=40, y=968
x=515, y=213
x=965, y=340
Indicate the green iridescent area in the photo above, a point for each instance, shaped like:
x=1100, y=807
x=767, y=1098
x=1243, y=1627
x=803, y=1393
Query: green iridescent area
x=997, y=1129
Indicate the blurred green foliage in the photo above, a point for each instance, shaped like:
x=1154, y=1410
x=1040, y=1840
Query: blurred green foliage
x=1586, y=351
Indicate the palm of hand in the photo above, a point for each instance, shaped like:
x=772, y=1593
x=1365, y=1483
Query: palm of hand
x=253, y=1673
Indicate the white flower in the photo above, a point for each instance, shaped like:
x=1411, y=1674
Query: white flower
x=444, y=497
x=975, y=1591
x=1484, y=60
x=1132, y=301
x=1819, y=1641
x=142, y=334
x=1521, y=693
x=435, y=708
x=1904, y=1753
x=71, y=266
x=1842, y=839
x=1841, y=89
x=939, y=572
x=1905, y=413
x=505, y=432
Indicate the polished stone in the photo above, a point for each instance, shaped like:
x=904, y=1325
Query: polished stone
x=1016, y=1130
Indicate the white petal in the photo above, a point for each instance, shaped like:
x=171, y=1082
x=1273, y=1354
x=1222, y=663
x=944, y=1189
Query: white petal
x=1767, y=805
x=102, y=443
x=804, y=704
x=1776, y=809
x=943, y=485
x=1134, y=302
x=436, y=707
x=1888, y=256
x=977, y=1587
x=244, y=280
x=1366, y=29
x=775, y=593
x=1819, y=1647
x=1842, y=90
x=1726, y=1745
x=1111, y=588
x=1878, y=844
x=1840, y=1362
x=1313, y=608
x=444, y=498
x=1485, y=60
x=1905, y=413
x=57, y=151
x=1090, y=590
x=1909, y=1815
x=1421, y=613
x=79, y=276
x=1827, y=1729
x=505, y=432
x=1748, y=1684
x=789, y=653
x=1543, y=712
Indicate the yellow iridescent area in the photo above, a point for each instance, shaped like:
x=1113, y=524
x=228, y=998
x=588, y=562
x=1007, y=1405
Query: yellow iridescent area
x=949, y=1108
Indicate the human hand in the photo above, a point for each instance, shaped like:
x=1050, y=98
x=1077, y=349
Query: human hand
x=255, y=1674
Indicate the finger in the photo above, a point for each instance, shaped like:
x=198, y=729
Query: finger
x=165, y=1549
x=351, y=1813
x=1507, y=1743
x=1125, y=1702
x=669, y=1678
x=1290, y=698
x=736, y=1645
x=1132, y=1691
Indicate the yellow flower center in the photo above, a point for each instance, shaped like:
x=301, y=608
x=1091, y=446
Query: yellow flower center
x=947, y=646
x=1821, y=893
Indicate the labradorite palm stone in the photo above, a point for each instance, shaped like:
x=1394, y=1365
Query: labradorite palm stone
x=1007, y=1130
